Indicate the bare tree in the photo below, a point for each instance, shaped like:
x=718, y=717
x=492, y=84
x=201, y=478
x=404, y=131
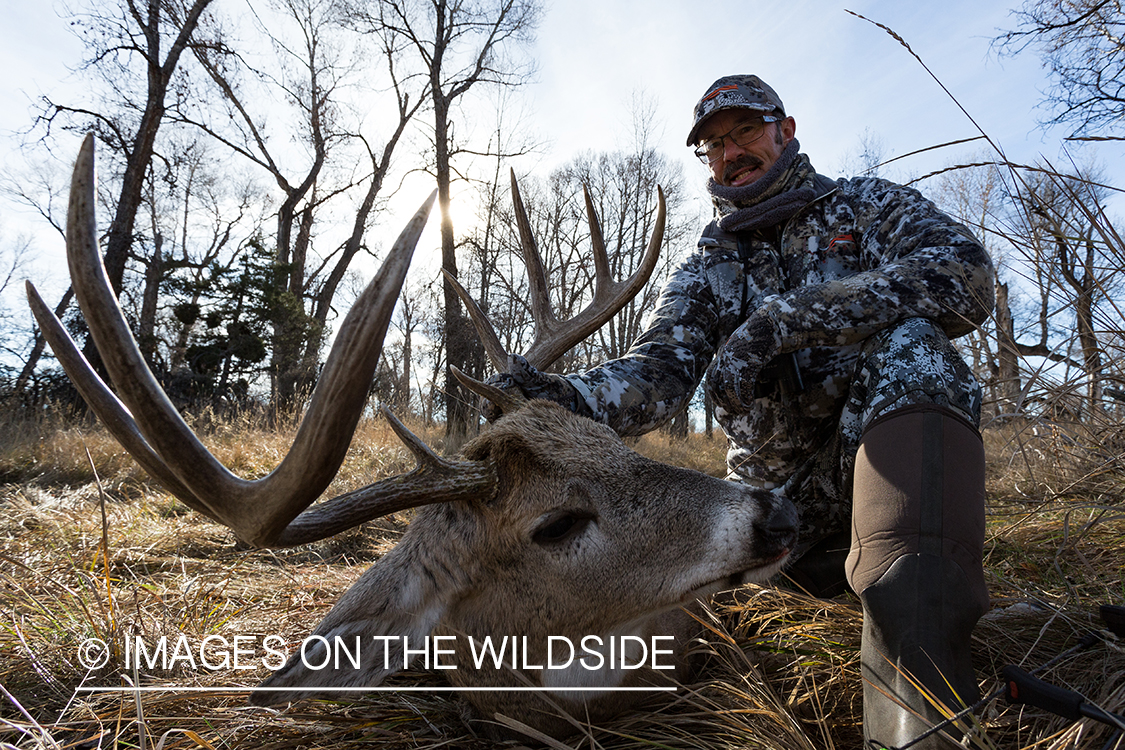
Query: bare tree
x=306, y=70
x=126, y=44
x=458, y=48
x=1048, y=230
x=394, y=380
x=1081, y=42
x=866, y=157
x=14, y=258
x=201, y=209
x=41, y=188
x=1068, y=212
x=143, y=31
x=313, y=73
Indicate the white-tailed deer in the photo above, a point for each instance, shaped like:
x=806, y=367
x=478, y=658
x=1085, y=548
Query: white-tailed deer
x=547, y=539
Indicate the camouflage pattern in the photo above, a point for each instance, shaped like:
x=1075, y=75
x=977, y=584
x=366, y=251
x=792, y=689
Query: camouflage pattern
x=865, y=285
x=911, y=363
x=734, y=92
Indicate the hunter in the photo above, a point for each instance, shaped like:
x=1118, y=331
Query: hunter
x=821, y=313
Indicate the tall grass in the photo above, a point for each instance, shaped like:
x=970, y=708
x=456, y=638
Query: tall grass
x=91, y=548
x=780, y=670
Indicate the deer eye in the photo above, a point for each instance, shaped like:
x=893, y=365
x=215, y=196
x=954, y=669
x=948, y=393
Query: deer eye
x=561, y=525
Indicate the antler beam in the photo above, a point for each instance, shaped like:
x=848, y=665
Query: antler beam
x=267, y=511
x=553, y=337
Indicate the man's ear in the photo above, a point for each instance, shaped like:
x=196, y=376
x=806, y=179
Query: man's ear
x=361, y=640
x=788, y=128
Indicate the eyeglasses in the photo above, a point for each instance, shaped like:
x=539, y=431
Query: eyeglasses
x=743, y=134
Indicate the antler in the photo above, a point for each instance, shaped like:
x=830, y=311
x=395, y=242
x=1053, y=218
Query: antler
x=553, y=337
x=267, y=511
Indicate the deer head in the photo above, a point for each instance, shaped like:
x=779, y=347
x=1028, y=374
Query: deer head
x=547, y=532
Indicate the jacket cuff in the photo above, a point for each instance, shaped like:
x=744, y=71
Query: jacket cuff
x=775, y=309
x=585, y=402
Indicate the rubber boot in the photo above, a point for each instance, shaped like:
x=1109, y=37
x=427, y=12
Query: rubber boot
x=916, y=561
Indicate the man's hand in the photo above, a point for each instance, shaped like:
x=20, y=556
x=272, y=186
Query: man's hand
x=735, y=369
x=523, y=377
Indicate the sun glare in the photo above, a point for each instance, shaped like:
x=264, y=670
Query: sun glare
x=462, y=210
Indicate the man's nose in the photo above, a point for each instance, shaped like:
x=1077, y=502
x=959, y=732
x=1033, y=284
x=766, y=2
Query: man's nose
x=731, y=150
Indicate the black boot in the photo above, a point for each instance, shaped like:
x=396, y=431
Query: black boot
x=916, y=561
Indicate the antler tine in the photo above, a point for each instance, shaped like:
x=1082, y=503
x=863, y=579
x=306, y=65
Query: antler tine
x=601, y=257
x=115, y=342
x=536, y=277
x=609, y=296
x=619, y=294
x=492, y=346
x=338, y=400
x=258, y=510
x=506, y=401
x=104, y=403
x=433, y=480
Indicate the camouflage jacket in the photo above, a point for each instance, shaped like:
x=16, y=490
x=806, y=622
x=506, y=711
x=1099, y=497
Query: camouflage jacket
x=864, y=255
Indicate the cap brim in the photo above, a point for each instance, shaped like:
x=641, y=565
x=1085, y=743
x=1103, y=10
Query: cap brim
x=693, y=136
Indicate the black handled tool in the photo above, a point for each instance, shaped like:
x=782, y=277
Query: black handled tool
x=1069, y=704
x=1021, y=687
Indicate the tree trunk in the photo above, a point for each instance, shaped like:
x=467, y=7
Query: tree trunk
x=404, y=384
x=119, y=237
x=37, y=348
x=1007, y=354
x=459, y=403
x=146, y=326
x=709, y=415
x=1088, y=337
x=679, y=426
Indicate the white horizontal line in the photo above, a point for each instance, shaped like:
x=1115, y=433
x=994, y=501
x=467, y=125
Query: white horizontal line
x=177, y=689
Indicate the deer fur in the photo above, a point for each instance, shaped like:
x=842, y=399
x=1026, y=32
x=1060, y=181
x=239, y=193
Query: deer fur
x=549, y=527
x=657, y=537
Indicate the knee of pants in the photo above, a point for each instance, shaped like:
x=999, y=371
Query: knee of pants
x=913, y=363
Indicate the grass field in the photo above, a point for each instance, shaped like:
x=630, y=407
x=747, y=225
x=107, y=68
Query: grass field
x=110, y=556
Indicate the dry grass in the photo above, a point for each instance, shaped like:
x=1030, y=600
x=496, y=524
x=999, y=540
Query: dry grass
x=781, y=668
x=696, y=451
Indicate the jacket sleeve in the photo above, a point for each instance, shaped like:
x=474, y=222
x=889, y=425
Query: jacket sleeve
x=656, y=378
x=919, y=261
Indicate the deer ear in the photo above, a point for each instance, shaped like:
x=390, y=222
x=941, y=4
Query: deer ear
x=510, y=454
x=361, y=641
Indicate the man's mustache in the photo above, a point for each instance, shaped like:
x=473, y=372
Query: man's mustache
x=746, y=161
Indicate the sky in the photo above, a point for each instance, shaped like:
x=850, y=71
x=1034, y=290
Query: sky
x=838, y=75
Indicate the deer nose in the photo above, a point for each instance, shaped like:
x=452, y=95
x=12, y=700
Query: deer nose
x=780, y=526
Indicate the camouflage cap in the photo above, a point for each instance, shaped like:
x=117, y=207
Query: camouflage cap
x=734, y=92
